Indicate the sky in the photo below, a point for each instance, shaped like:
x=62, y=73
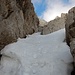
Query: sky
x=49, y=9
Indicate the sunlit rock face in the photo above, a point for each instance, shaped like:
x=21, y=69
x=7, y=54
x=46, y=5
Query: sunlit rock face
x=17, y=19
x=54, y=25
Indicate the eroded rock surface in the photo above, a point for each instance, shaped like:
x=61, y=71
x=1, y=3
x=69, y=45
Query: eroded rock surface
x=17, y=19
x=70, y=31
x=54, y=25
x=70, y=25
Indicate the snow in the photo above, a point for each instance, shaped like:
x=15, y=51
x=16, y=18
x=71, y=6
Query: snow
x=37, y=55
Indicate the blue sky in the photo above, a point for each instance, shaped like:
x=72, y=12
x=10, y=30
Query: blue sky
x=40, y=7
x=49, y=9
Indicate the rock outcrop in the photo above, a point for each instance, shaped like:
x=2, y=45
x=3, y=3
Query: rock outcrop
x=70, y=31
x=54, y=25
x=70, y=25
x=42, y=22
x=17, y=19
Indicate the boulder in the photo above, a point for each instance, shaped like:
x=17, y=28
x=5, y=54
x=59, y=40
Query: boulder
x=17, y=19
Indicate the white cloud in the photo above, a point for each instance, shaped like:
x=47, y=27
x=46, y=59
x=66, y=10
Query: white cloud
x=72, y=1
x=55, y=8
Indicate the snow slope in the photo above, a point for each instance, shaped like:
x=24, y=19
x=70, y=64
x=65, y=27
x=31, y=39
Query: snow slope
x=37, y=55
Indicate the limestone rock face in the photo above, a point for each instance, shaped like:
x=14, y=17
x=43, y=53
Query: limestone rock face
x=70, y=31
x=54, y=25
x=17, y=19
x=42, y=22
x=70, y=25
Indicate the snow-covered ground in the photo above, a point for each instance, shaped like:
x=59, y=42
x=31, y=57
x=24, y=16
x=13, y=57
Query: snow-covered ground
x=37, y=55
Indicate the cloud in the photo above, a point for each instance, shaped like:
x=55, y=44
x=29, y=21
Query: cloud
x=39, y=6
x=55, y=8
x=72, y=1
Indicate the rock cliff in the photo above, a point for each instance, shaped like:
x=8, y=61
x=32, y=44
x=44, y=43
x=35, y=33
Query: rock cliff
x=70, y=25
x=54, y=25
x=70, y=32
x=17, y=19
x=42, y=22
